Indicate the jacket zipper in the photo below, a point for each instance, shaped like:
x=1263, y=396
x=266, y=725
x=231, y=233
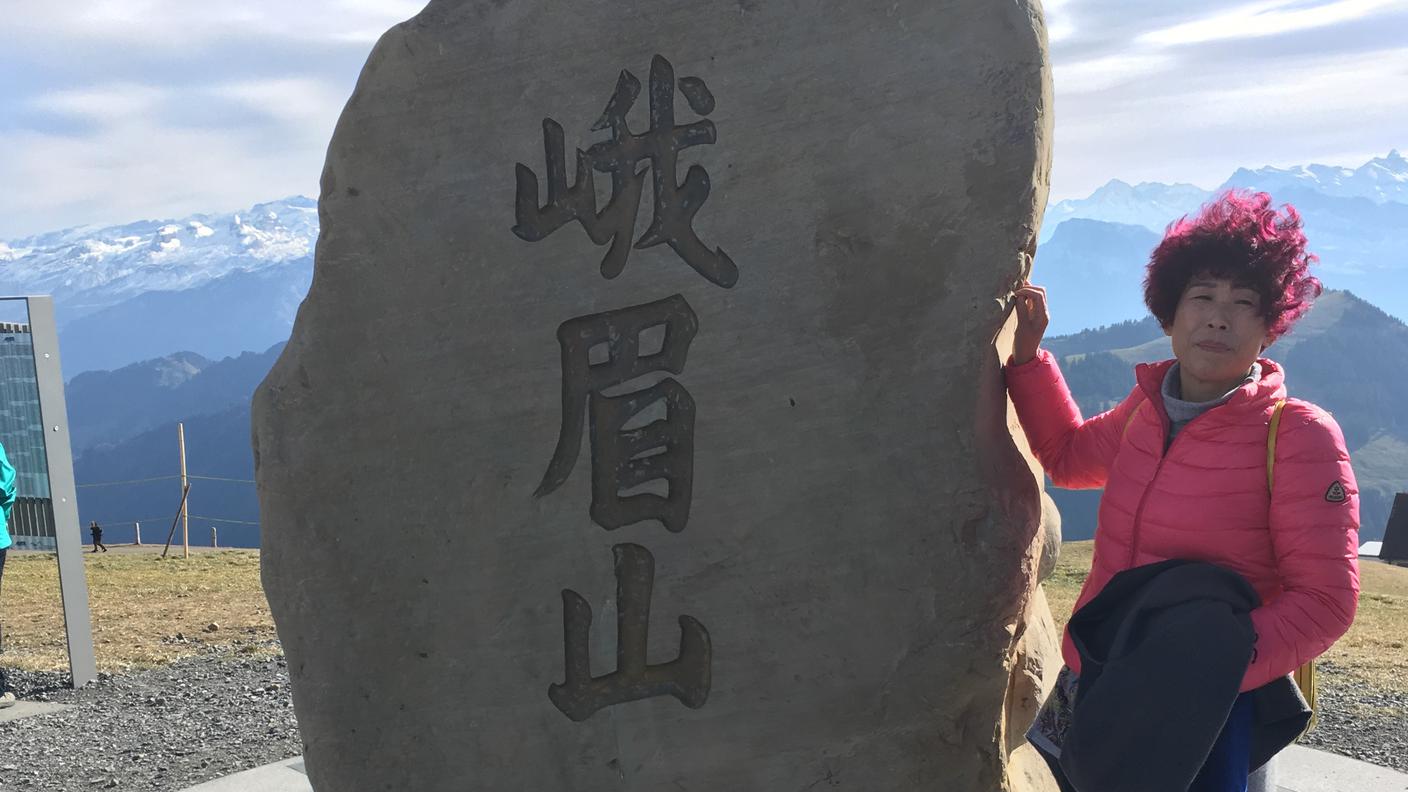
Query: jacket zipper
x=1139, y=510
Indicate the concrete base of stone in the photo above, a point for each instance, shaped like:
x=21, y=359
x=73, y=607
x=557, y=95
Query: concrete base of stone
x=285, y=776
x=1297, y=770
x=1300, y=769
x=28, y=709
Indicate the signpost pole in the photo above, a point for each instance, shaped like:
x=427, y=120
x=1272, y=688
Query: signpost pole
x=53, y=410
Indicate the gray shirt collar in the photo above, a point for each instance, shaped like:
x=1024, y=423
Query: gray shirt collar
x=1180, y=411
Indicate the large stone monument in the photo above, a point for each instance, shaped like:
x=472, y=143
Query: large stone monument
x=644, y=426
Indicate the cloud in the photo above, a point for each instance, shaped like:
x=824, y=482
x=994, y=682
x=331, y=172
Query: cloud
x=1316, y=87
x=1098, y=74
x=1273, y=18
x=111, y=110
x=1197, y=126
x=1189, y=91
x=1059, y=24
x=136, y=167
x=182, y=25
x=140, y=158
x=116, y=109
x=294, y=101
x=105, y=103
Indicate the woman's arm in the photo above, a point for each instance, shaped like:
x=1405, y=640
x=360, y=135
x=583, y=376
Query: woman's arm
x=1076, y=453
x=1315, y=535
x=7, y=485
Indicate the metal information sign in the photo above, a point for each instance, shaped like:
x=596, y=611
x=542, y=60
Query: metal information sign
x=46, y=509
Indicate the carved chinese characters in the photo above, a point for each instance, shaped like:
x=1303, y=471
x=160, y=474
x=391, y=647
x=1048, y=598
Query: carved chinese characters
x=627, y=453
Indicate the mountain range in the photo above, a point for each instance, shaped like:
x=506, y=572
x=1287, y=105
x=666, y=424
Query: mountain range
x=1093, y=250
x=220, y=285
x=87, y=269
x=124, y=430
x=228, y=283
x=108, y=407
x=1154, y=205
x=124, y=421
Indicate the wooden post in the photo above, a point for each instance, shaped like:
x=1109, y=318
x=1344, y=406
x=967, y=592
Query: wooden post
x=175, y=521
x=139, y=533
x=185, y=508
x=214, y=537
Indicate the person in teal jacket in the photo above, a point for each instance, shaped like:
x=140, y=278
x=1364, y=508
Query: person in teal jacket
x=7, y=502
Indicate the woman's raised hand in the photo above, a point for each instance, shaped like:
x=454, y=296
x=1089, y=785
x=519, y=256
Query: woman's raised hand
x=1030, y=304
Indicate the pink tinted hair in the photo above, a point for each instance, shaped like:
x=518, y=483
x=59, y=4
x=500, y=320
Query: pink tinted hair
x=1239, y=235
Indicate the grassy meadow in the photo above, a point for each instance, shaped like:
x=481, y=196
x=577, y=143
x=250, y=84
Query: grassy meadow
x=147, y=611
x=1373, y=650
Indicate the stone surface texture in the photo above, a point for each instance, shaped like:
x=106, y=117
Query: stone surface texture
x=864, y=536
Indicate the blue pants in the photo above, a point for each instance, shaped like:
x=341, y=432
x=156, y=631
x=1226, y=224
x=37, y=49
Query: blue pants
x=1229, y=763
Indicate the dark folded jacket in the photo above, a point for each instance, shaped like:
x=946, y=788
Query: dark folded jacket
x=1163, y=651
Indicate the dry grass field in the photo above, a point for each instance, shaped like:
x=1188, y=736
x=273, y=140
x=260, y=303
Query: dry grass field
x=1375, y=649
x=147, y=611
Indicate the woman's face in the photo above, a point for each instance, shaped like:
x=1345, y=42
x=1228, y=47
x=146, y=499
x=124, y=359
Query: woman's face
x=1218, y=332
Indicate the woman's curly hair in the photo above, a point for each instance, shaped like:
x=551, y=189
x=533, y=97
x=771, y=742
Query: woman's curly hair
x=1240, y=236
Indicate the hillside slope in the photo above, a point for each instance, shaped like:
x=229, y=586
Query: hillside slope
x=1345, y=355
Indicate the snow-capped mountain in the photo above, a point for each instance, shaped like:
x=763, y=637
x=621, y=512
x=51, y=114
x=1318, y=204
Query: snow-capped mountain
x=215, y=284
x=220, y=284
x=1381, y=180
x=1153, y=205
x=1147, y=204
x=1356, y=221
x=87, y=269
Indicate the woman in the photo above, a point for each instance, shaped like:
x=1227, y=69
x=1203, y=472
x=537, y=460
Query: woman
x=1183, y=459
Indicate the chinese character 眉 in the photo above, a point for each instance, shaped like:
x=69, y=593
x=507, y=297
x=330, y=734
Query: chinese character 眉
x=625, y=456
x=675, y=203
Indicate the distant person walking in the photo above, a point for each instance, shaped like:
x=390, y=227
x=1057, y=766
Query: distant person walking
x=97, y=532
x=7, y=502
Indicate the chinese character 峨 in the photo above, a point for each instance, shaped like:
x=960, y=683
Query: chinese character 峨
x=621, y=156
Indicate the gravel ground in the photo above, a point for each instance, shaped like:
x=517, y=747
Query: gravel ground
x=170, y=728
x=152, y=731
x=1360, y=721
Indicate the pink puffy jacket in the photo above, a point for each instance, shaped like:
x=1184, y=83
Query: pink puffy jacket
x=1206, y=499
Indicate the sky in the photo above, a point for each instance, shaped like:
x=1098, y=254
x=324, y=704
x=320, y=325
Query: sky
x=118, y=110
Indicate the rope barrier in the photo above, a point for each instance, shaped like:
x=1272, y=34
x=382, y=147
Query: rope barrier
x=129, y=481
x=166, y=478
x=111, y=522
x=220, y=478
x=222, y=520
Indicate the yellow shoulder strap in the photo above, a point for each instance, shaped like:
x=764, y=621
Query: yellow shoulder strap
x=1305, y=675
x=1271, y=445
